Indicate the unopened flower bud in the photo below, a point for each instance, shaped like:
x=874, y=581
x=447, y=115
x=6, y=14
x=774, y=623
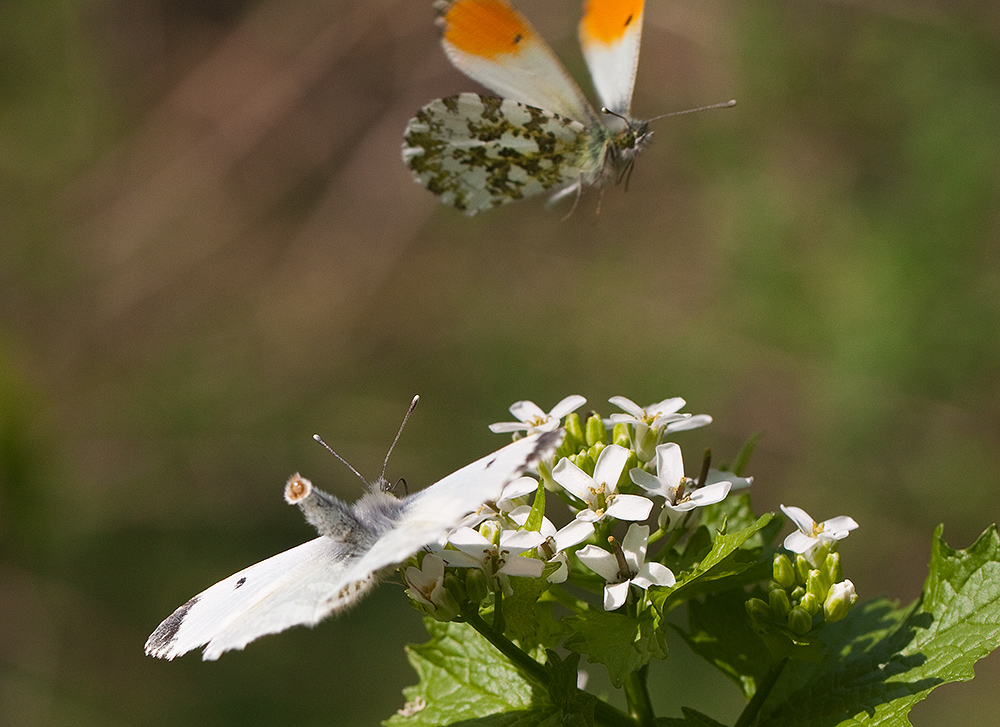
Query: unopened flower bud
x=455, y=586
x=802, y=568
x=799, y=620
x=815, y=586
x=810, y=604
x=759, y=613
x=838, y=603
x=832, y=568
x=584, y=461
x=779, y=603
x=782, y=571
x=596, y=432
x=476, y=586
x=574, y=432
x=620, y=435
x=645, y=446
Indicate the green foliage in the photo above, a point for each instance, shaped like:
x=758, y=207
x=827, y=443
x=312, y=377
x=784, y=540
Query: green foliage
x=623, y=644
x=882, y=660
x=869, y=668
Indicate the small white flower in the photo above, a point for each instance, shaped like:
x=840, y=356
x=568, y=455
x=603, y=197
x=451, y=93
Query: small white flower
x=553, y=547
x=426, y=583
x=476, y=551
x=600, y=491
x=651, y=423
x=680, y=492
x=626, y=569
x=510, y=498
x=810, y=533
x=531, y=418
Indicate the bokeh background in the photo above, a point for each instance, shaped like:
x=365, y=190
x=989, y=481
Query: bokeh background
x=210, y=250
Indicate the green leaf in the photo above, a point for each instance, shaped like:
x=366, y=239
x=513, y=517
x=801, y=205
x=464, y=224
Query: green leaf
x=622, y=643
x=522, y=614
x=720, y=632
x=463, y=678
x=731, y=554
x=882, y=660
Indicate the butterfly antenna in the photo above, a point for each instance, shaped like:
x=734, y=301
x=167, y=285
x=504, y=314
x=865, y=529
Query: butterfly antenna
x=413, y=405
x=348, y=464
x=723, y=105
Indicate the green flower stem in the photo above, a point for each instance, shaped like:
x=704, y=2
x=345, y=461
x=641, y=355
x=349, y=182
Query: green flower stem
x=749, y=713
x=637, y=697
x=604, y=713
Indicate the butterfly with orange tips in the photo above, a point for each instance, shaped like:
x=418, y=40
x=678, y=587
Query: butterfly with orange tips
x=476, y=152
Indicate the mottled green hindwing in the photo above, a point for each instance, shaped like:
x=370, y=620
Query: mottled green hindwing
x=476, y=152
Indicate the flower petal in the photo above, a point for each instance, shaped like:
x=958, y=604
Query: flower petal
x=689, y=422
x=574, y=480
x=838, y=527
x=572, y=534
x=635, y=508
x=669, y=464
x=650, y=483
x=799, y=542
x=615, y=595
x=522, y=567
x=610, y=464
x=600, y=561
x=518, y=541
x=800, y=517
x=501, y=427
x=569, y=404
x=519, y=488
x=711, y=494
x=469, y=541
x=634, y=546
x=654, y=574
x=627, y=405
x=527, y=411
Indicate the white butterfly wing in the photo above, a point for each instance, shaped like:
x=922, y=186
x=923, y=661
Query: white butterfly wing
x=492, y=43
x=429, y=514
x=610, y=33
x=303, y=585
x=297, y=587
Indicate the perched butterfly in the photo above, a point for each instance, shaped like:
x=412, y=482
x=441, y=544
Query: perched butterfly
x=356, y=546
x=476, y=152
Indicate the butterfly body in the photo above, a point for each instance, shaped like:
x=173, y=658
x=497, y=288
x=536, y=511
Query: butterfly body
x=357, y=544
x=476, y=152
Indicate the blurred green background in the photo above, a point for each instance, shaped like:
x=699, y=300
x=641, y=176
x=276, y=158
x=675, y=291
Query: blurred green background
x=210, y=250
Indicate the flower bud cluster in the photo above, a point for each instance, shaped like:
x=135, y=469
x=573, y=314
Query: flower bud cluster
x=802, y=596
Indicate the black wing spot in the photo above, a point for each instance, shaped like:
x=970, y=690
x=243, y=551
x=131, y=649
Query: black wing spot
x=628, y=21
x=518, y=38
x=241, y=581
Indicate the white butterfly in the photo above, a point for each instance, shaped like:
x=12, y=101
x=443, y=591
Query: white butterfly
x=357, y=544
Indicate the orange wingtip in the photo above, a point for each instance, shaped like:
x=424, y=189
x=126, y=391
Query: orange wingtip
x=487, y=28
x=605, y=21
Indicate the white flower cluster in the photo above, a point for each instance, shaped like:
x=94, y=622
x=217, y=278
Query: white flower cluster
x=509, y=538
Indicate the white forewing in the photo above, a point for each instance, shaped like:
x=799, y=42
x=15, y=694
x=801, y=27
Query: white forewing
x=530, y=72
x=613, y=61
x=303, y=585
